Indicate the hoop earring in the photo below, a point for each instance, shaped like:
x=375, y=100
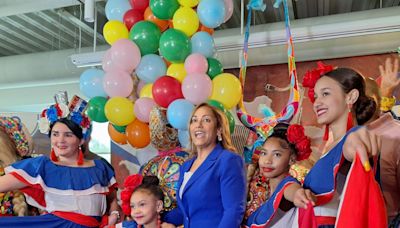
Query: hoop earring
x=53, y=155
x=350, y=123
x=80, y=157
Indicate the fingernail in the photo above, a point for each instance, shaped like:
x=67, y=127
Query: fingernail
x=367, y=166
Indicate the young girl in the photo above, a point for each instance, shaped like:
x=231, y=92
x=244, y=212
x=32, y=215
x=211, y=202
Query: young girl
x=271, y=181
x=142, y=200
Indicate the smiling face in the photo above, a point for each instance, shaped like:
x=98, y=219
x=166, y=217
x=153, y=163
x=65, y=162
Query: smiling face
x=330, y=101
x=145, y=208
x=275, y=158
x=63, y=141
x=203, y=128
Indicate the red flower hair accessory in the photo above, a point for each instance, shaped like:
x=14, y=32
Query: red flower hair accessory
x=130, y=184
x=296, y=136
x=311, y=77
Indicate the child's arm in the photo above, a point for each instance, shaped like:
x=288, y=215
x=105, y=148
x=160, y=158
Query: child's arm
x=299, y=196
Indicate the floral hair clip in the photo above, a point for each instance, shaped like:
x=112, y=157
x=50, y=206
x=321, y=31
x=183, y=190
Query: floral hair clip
x=296, y=136
x=73, y=111
x=311, y=77
x=130, y=184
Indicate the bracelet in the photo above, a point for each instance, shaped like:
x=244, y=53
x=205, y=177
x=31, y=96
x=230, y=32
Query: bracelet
x=115, y=213
x=387, y=103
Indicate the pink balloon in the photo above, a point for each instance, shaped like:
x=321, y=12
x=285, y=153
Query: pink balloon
x=124, y=55
x=142, y=108
x=196, y=63
x=106, y=62
x=197, y=88
x=228, y=9
x=117, y=83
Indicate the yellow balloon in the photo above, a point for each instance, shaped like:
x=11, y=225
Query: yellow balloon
x=177, y=70
x=188, y=3
x=226, y=89
x=119, y=111
x=186, y=20
x=114, y=30
x=146, y=91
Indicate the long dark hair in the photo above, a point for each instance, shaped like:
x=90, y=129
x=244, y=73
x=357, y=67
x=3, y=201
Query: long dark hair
x=280, y=132
x=364, y=108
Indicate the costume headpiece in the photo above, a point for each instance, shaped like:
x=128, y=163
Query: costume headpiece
x=62, y=109
x=295, y=135
x=18, y=134
x=311, y=77
x=130, y=184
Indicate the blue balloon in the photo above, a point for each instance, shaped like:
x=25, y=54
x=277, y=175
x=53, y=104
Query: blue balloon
x=178, y=113
x=203, y=43
x=91, y=83
x=211, y=12
x=183, y=137
x=150, y=68
x=115, y=9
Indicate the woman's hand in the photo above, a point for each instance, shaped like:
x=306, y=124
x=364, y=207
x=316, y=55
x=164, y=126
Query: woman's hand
x=389, y=77
x=302, y=197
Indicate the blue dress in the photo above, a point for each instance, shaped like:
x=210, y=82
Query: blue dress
x=73, y=196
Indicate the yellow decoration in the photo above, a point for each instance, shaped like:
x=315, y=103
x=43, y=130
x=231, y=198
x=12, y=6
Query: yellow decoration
x=387, y=103
x=146, y=91
x=186, y=20
x=227, y=90
x=177, y=70
x=115, y=30
x=119, y=111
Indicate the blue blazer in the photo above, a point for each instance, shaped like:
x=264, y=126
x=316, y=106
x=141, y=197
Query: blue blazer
x=215, y=195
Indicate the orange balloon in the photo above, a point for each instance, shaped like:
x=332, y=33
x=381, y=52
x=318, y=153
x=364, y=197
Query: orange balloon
x=138, y=134
x=116, y=136
x=149, y=16
x=168, y=63
x=170, y=24
x=206, y=29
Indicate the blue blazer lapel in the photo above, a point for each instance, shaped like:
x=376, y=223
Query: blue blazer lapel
x=210, y=160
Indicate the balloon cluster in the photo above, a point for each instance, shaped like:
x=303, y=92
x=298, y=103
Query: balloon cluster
x=168, y=45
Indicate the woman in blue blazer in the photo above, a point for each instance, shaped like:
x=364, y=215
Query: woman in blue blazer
x=212, y=184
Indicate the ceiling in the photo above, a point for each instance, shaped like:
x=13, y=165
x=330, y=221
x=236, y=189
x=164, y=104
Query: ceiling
x=39, y=35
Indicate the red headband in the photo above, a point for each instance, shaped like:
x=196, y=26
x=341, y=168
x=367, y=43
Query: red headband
x=130, y=184
x=311, y=77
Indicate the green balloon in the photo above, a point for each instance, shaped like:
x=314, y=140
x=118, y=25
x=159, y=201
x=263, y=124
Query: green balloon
x=214, y=67
x=146, y=36
x=164, y=9
x=120, y=129
x=95, y=109
x=217, y=104
x=175, y=46
x=231, y=120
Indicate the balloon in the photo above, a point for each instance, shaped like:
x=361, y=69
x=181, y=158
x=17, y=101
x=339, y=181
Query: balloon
x=211, y=12
x=228, y=9
x=214, y=67
x=196, y=63
x=140, y=5
x=124, y=55
x=196, y=88
x=231, y=120
x=115, y=9
x=188, y=3
x=203, y=43
x=140, y=87
x=131, y=17
x=142, y=108
x=177, y=70
x=114, y=30
x=164, y=9
x=217, y=104
x=117, y=83
x=186, y=20
x=95, y=109
x=149, y=16
x=115, y=135
x=183, y=137
x=208, y=30
x=178, y=113
x=91, y=83
x=120, y=129
x=165, y=90
x=174, y=46
x=119, y=111
x=146, y=35
x=150, y=68
x=138, y=134
x=227, y=89
x=146, y=91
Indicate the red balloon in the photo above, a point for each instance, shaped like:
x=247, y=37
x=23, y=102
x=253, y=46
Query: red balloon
x=165, y=90
x=131, y=17
x=140, y=5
